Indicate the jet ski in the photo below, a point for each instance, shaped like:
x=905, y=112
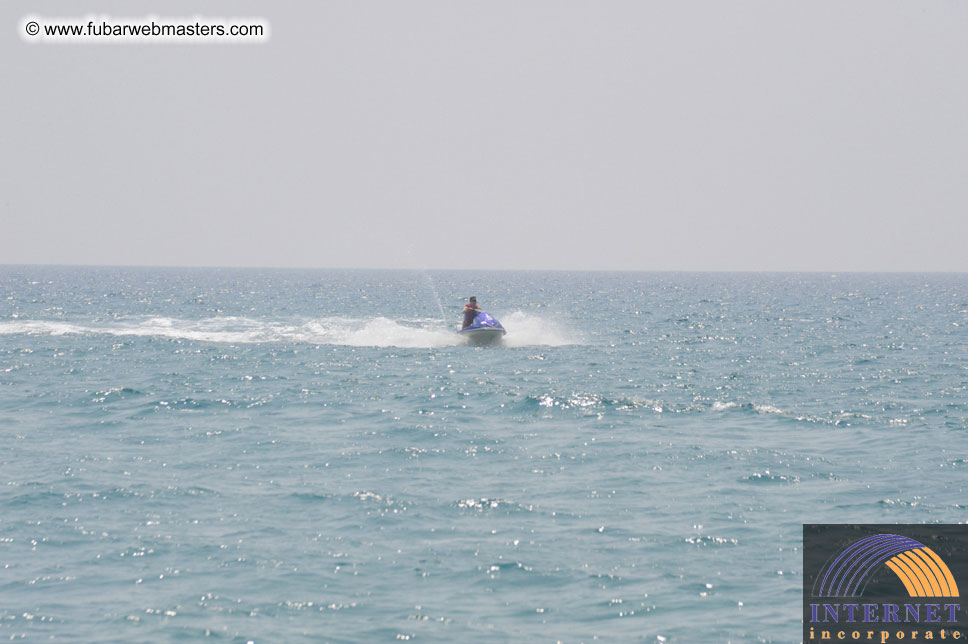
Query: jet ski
x=484, y=330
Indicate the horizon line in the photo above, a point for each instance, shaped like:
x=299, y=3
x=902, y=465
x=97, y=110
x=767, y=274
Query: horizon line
x=493, y=270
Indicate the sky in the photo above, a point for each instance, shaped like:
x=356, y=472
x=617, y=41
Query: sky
x=555, y=134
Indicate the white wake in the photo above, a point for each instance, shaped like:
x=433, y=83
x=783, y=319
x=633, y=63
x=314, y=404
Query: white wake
x=523, y=330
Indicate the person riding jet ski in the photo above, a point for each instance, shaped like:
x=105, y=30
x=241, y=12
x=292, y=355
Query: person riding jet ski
x=470, y=312
x=480, y=328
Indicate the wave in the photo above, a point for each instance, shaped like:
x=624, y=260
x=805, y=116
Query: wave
x=523, y=330
x=526, y=330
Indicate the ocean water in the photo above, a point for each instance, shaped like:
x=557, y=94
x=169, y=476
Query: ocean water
x=312, y=456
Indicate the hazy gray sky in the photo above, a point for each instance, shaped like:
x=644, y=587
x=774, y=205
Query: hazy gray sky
x=672, y=135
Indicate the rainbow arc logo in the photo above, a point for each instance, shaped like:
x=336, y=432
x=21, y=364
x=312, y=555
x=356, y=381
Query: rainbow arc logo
x=919, y=568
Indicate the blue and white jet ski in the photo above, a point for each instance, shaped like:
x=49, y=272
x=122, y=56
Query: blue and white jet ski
x=484, y=330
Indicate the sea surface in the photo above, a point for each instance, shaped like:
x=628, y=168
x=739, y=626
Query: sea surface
x=234, y=455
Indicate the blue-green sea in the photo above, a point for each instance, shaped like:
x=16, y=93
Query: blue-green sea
x=254, y=455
